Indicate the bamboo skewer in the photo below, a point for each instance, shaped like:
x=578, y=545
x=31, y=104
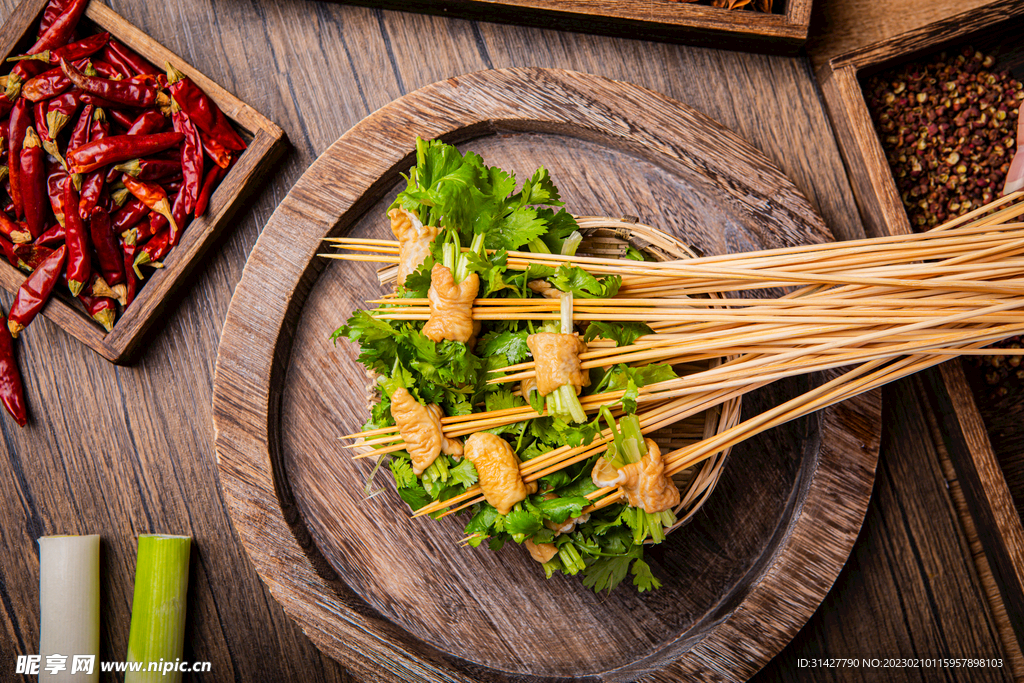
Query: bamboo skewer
x=884, y=308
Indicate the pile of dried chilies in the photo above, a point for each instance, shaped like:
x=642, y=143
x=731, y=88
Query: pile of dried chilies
x=106, y=160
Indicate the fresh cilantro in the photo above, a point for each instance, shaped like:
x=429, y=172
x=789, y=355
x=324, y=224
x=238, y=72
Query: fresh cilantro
x=464, y=473
x=402, y=471
x=560, y=509
x=605, y=573
x=522, y=523
x=622, y=333
x=511, y=345
x=584, y=285
x=643, y=579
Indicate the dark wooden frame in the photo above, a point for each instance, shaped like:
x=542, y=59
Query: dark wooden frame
x=666, y=20
x=266, y=145
x=257, y=341
x=985, y=489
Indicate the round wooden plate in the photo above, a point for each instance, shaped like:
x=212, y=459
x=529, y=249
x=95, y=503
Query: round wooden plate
x=395, y=599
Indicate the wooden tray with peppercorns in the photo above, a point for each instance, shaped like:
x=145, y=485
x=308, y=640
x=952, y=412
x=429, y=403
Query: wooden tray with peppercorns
x=926, y=122
x=769, y=26
x=262, y=141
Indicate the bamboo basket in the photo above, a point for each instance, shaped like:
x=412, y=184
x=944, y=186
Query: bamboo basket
x=611, y=238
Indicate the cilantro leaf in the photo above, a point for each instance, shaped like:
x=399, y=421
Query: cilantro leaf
x=605, y=573
x=522, y=522
x=402, y=471
x=643, y=579
x=512, y=345
x=464, y=473
x=622, y=333
x=584, y=285
x=560, y=509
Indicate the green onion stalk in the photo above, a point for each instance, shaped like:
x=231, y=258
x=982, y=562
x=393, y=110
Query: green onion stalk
x=157, y=633
x=628, y=447
x=455, y=260
x=563, y=403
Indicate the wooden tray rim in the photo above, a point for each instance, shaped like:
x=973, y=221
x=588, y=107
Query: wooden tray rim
x=669, y=20
x=279, y=274
x=267, y=145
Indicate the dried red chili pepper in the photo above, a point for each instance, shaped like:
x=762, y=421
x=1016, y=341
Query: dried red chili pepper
x=35, y=291
x=70, y=52
x=58, y=112
x=128, y=57
x=79, y=262
x=118, y=148
x=53, y=237
x=54, y=9
x=210, y=182
x=46, y=85
x=55, y=191
x=63, y=27
x=203, y=111
x=92, y=192
x=80, y=133
x=16, y=232
x=153, y=252
x=39, y=117
x=158, y=223
x=120, y=118
x=102, y=309
x=128, y=93
x=108, y=252
x=147, y=123
x=111, y=57
x=131, y=280
x=130, y=214
x=144, y=230
x=151, y=195
x=12, y=392
x=33, y=183
x=191, y=156
x=151, y=168
x=107, y=70
x=31, y=255
x=21, y=119
x=9, y=252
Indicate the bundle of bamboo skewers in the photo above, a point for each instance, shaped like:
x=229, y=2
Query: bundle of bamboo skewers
x=879, y=308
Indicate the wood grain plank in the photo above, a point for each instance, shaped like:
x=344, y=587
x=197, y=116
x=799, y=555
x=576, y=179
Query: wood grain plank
x=903, y=564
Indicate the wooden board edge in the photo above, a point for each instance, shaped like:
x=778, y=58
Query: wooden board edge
x=777, y=34
x=985, y=490
x=874, y=189
x=883, y=53
x=132, y=327
x=242, y=382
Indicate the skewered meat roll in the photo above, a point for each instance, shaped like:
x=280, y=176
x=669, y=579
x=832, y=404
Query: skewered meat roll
x=451, y=306
x=645, y=483
x=497, y=467
x=420, y=427
x=557, y=361
x=414, y=240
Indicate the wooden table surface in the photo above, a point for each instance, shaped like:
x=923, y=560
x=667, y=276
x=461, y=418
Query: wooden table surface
x=121, y=451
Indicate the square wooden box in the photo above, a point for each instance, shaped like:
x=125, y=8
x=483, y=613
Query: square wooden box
x=266, y=142
x=993, y=29
x=781, y=32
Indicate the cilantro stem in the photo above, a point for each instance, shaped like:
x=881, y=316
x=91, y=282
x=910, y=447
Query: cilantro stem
x=572, y=563
x=571, y=243
x=633, y=444
x=564, y=404
x=537, y=246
